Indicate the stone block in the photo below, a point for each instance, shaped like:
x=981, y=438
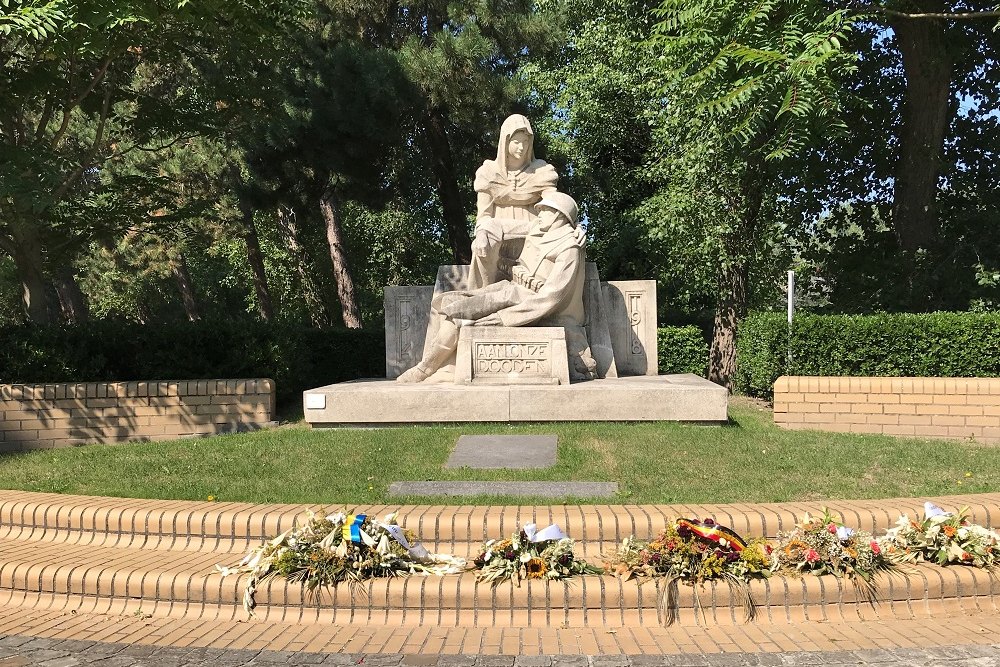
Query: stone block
x=598, y=329
x=366, y=402
x=406, y=317
x=647, y=398
x=632, y=323
x=511, y=355
x=503, y=451
x=527, y=489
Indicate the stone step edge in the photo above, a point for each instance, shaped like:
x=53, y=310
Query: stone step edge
x=462, y=523
x=458, y=595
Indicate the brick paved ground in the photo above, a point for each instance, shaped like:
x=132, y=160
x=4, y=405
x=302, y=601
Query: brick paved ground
x=972, y=633
x=22, y=651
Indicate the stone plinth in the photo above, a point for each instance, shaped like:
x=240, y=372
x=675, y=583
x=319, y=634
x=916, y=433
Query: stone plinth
x=406, y=310
x=621, y=322
x=685, y=397
x=512, y=355
x=632, y=321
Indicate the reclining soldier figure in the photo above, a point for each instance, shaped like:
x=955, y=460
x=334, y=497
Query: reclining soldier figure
x=546, y=289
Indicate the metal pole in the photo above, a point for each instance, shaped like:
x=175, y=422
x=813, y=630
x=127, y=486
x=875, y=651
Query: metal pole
x=791, y=316
x=791, y=296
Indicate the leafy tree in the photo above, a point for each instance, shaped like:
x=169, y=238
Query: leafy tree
x=948, y=51
x=463, y=57
x=844, y=221
x=343, y=114
x=747, y=90
x=69, y=103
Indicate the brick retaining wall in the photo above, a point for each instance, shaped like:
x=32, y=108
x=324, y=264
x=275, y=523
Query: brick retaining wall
x=922, y=407
x=43, y=416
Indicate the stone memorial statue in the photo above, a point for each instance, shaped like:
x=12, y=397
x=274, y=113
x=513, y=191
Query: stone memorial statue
x=508, y=337
x=507, y=190
x=545, y=289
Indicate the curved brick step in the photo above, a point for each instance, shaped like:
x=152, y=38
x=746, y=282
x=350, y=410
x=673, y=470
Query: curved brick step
x=94, y=554
x=612, y=602
x=187, y=581
x=441, y=526
x=460, y=602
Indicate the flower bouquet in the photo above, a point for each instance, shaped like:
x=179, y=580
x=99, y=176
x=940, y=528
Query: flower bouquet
x=824, y=545
x=694, y=552
x=328, y=550
x=530, y=554
x=943, y=537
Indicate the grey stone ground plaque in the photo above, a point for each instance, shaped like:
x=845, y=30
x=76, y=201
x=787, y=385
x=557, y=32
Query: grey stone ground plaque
x=504, y=451
x=529, y=489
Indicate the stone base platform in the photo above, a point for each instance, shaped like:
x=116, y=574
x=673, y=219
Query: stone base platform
x=686, y=397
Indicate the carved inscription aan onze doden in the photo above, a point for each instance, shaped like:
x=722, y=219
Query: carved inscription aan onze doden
x=500, y=358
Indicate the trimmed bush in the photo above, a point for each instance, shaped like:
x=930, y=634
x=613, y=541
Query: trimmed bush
x=682, y=350
x=296, y=357
x=761, y=353
x=887, y=345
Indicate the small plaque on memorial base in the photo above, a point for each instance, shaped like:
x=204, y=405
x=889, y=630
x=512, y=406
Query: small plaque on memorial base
x=512, y=355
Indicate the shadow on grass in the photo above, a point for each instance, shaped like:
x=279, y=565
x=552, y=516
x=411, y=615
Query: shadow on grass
x=289, y=413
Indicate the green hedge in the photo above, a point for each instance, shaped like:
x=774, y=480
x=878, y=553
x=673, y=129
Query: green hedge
x=682, y=350
x=297, y=358
x=928, y=345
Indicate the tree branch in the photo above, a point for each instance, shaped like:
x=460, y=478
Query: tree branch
x=88, y=162
x=72, y=102
x=43, y=122
x=951, y=16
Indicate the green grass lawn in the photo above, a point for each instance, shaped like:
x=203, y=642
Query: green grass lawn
x=750, y=460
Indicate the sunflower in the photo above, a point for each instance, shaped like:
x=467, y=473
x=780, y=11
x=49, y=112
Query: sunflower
x=536, y=568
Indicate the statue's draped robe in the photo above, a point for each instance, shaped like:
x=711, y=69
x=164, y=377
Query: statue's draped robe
x=505, y=204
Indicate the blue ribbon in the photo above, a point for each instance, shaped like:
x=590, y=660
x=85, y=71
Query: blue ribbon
x=352, y=527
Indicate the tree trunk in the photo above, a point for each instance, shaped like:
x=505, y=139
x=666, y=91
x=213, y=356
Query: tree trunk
x=179, y=268
x=740, y=247
x=443, y=164
x=26, y=252
x=256, y=261
x=928, y=69
x=71, y=299
x=341, y=271
x=729, y=313
x=318, y=314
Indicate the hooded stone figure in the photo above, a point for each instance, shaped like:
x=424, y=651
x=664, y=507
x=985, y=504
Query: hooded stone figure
x=545, y=288
x=507, y=190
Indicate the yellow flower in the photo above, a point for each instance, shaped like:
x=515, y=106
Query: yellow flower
x=211, y=499
x=968, y=474
x=536, y=568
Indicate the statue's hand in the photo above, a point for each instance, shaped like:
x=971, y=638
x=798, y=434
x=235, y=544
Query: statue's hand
x=492, y=320
x=481, y=245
